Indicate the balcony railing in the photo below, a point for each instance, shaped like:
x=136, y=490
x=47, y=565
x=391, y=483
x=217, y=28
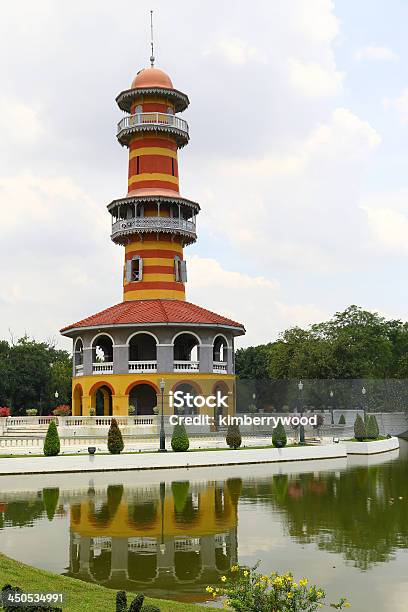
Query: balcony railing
x=186, y=366
x=151, y=224
x=220, y=367
x=161, y=121
x=79, y=369
x=105, y=367
x=142, y=366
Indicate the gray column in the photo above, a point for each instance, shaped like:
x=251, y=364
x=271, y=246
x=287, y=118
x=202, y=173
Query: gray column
x=165, y=358
x=87, y=360
x=119, y=560
x=84, y=553
x=120, y=359
x=207, y=547
x=230, y=360
x=166, y=559
x=206, y=358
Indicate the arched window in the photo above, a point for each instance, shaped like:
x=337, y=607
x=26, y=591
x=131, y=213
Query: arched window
x=180, y=270
x=138, y=109
x=134, y=269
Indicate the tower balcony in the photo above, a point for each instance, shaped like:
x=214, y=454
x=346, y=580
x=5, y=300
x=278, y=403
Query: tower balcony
x=157, y=122
x=122, y=228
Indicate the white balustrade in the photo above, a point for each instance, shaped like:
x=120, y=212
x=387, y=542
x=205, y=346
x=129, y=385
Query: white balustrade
x=186, y=366
x=220, y=367
x=163, y=120
x=103, y=367
x=153, y=223
x=142, y=366
x=79, y=369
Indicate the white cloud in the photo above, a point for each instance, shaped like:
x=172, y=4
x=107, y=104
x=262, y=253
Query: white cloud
x=19, y=123
x=387, y=216
x=313, y=79
x=375, y=52
x=253, y=301
x=316, y=20
x=400, y=104
x=236, y=51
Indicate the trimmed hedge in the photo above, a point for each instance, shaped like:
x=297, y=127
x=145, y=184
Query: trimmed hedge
x=233, y=437
x=342, y=420
x=24, y=608
x=115, y=440
x=359, y=429
x=179, y=439
x=52, y=444
x=50, y=499
x=279, y=437
x=372, y=428
x=121, y=601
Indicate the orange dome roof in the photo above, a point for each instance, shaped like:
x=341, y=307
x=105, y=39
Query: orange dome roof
x=152, y=77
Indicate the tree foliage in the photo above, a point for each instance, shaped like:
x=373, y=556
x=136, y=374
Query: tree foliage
x=52, y=445
x=179, y=439
x=279, y=437
x=233, y=437
x=359, y=428
x=115, y=440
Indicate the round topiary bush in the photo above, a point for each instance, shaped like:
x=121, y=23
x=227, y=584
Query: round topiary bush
x=179, y=439
x=279, y=438
x=52, y=444
x=115, y=440
x=371, y=428
x=342, y=420
x=233, y=437
x=121, y=601
x=137, y=603
x=359, y=429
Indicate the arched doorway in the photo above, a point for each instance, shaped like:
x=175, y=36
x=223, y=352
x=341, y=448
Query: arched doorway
x=186, y=352
x=143, y=397
x=142, y=353
x=78, y=357
x=101, y=399
x=102, y=354
x=77, y=401
x=220, y=389
x=220, y=355
x=187, y=390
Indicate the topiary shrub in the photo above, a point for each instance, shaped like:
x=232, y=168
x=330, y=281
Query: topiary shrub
x=279, y=438
x=233, y=437
x=150, y=608
x=179, y=439
x=137, y=603
x=371, y=429
x=52, y=444
x=180, y=494
x=115, y=440
x=22, y=608
x=342, y=420
x=359, y=429
x=121, y=601
x=377, y=429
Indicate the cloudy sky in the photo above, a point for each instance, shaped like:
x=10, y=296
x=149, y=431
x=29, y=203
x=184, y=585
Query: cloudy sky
x=298, y=156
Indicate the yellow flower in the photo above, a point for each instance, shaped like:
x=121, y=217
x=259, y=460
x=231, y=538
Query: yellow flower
x=319, y=594
x=347, y=605
x=294, y=585
x=303, y=582
x=209, y=589
x=246, y=573
x=223, y=579
x=234, y=568
x=290, y=595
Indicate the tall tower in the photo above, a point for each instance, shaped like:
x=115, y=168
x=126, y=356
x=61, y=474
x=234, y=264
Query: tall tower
x=154, y=222
x=123, y=355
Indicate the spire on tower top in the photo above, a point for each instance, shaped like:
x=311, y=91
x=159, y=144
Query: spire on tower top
x=151, y=40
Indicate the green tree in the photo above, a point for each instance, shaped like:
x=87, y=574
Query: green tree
x=50, y=499
x=279, y=437
x=372, y=428
x=115, y=440
x=233, y=437
x=52, y=445
x=359, y=428
x=179, y=439
x=342, y=420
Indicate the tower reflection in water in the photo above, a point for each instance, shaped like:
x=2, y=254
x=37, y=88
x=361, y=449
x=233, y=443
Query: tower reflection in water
x=165, y=539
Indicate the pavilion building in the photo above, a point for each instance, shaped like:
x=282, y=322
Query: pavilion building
x=154, y=334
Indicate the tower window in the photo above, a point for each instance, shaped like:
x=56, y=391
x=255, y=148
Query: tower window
x=138, y=164
x=134, y=269
x=180, y=270
x=172, y=166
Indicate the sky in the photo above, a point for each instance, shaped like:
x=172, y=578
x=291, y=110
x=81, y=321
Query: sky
x=298, y=120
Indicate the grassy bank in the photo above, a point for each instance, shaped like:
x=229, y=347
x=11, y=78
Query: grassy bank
x=80, y=596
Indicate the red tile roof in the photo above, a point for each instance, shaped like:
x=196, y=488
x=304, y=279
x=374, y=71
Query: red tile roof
x=153, y=311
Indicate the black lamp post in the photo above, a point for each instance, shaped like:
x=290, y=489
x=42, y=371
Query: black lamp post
x=363, y=393
x=331, y=406
x=162, y=496
x=302, y=427
x=162, y=448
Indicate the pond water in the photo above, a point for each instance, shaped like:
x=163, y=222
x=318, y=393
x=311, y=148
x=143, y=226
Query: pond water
x=342, y=523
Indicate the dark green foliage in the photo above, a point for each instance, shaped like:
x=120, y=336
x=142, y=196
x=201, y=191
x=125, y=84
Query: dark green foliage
x=377, y=429
x=234, y=486
x=179, y=439
x=180, y=494
x=121, y=601
x=150, y=608
x=115, y=440
x=342, y=420
x=137, y=603
x=50, y=499
x=233, y=437
x=371, y=428
x=359, y=428
x=24, y=608
x=52, y=445
x=279, y=435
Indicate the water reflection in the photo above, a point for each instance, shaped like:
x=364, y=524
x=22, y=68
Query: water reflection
x=171, y=539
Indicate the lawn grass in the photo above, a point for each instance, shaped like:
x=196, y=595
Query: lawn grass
x=80, y=596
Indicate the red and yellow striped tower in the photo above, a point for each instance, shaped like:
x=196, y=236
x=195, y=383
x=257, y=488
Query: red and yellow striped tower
x=153, y=221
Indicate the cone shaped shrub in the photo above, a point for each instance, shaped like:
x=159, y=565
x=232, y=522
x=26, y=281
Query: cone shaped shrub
x=180, y=493
x=115, y=440
x=279, y=435
x=121, y=601
x=377, y=429
x=371, y=429
x=359, y=428
x=179, y=439
x=233, y=437
x=342, y=420
x=52, y=445
x=50, y=499
x=137, y=603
